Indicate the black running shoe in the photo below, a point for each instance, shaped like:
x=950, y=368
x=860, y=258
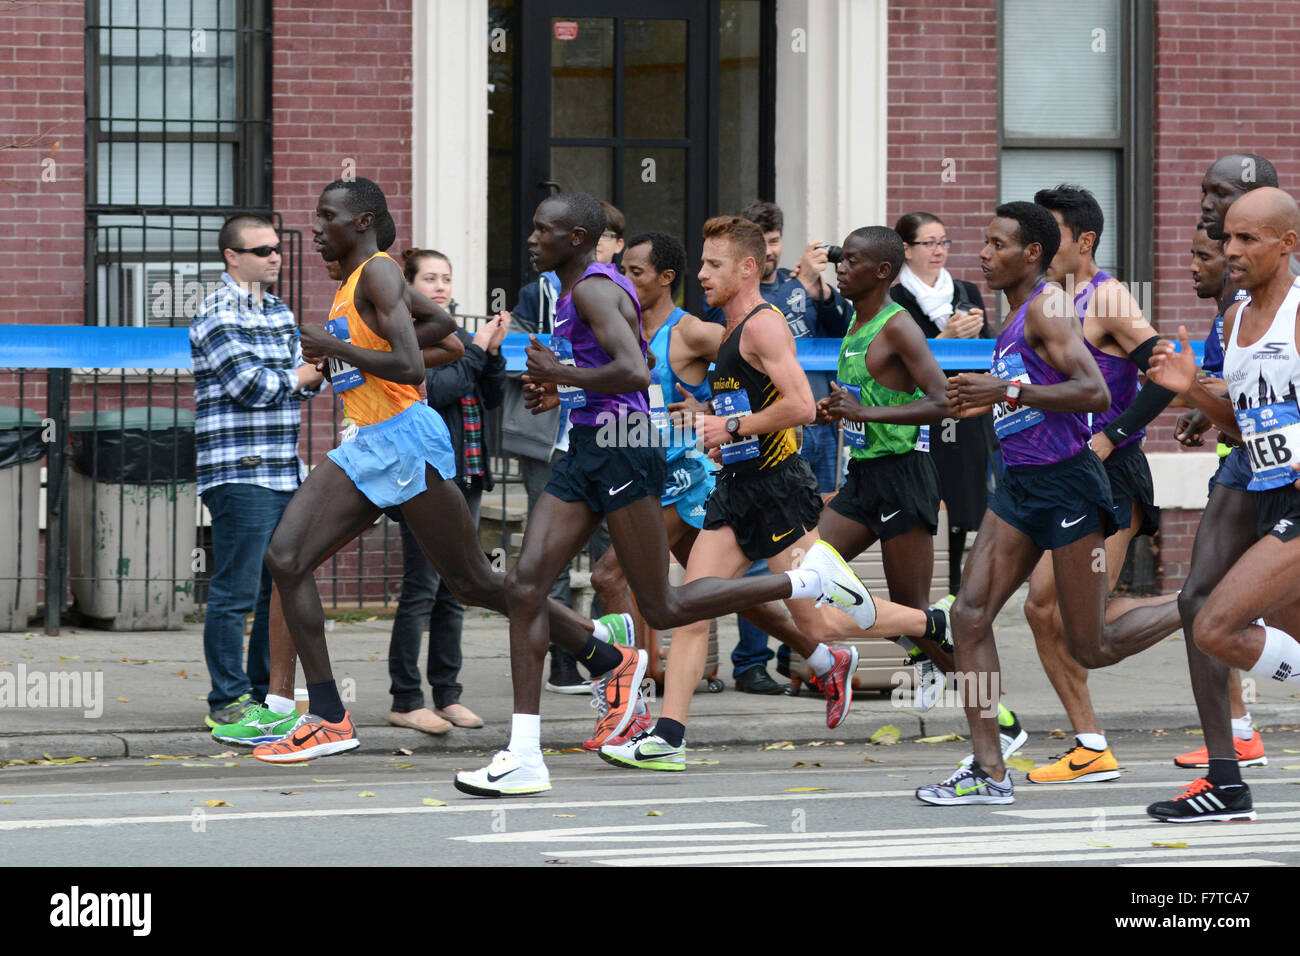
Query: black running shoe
x=1204, y=801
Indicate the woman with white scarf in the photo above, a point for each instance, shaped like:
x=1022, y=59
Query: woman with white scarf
x=948, y=308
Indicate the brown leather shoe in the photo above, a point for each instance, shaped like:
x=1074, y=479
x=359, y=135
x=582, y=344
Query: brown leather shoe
x=460, y=715
x=423, y=720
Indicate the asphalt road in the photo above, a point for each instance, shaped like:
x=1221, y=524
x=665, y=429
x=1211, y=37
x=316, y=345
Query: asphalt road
x=850, y=804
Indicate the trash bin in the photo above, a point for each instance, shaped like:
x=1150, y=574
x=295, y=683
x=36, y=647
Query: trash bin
x=21, y=452
x=131, y=517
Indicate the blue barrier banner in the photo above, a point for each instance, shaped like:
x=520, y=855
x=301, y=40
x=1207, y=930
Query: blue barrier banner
x=89, y=346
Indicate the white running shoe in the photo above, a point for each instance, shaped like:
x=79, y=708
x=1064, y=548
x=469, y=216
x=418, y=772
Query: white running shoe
x=968, y=785
x=929, y=686
x=506, y=776
x=840, y=586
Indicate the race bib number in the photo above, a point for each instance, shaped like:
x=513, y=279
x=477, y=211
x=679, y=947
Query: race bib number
x=1271, y=435
x=658, y=410
x=570, y=395
x=1006, y=420
x=923, y=438
x=855, y=433
x=736, y=405
x=342, y=375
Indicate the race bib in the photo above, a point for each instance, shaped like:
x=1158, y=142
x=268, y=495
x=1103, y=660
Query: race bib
x=1007, y=420
x=923, y=438
x=1271, y=435
x=736, y=405
x=658, y=410
x=570, y=395
x=855, y=433
x=342, y=375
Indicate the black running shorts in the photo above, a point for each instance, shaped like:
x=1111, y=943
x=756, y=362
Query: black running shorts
x=607, y=476
x=1057, y=504
x=1130, y=481
x=891, y=494
x=767, y=510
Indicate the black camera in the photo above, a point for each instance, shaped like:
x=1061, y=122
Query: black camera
x=833, y=253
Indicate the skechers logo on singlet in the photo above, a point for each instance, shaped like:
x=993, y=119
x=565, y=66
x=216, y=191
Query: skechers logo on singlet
x=727, y=385
x=1283, y=671
x=1270, y=350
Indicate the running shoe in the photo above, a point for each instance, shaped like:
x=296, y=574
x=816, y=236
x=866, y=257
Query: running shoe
x=645, y=751
x=944, y=635
x=259, y=726
x=620, y=690
x=840, y=586
x=929, y=684
x=621, y=630
x=506, y=776
x=1204, y=801
x=640, y=721
x=312, y=738
x=1250, y=753
x=837, y=685
x=565, y=678
x=230, y=713
x=1079, y=763
x=1012, y=735
x=968, y=785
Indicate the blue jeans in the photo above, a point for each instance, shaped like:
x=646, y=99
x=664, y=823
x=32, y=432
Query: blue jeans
x=426, y=599
x=243, y=519
x=820, y=442
x=751, y=650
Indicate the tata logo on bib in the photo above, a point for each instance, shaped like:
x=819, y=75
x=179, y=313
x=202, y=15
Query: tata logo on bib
x=566, y=29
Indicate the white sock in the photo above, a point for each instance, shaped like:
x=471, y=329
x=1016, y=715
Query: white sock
x=526, y=736
x=279, y=705
x=1243, y=727
x=804, y=583
x=1281, y=658
x=1092, y=741
x=602, y=632
x=821, y=660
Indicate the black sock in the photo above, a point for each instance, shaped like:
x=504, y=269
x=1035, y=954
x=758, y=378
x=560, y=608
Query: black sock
x=1224, y=772
x=956, y=547
x=325, y=702
x=598, y=657
x=671, y=731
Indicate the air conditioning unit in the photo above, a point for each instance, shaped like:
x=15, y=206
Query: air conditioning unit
x=154, y=294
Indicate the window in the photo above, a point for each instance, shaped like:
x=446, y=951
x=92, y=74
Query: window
x=1076, y=108
x=177, y=138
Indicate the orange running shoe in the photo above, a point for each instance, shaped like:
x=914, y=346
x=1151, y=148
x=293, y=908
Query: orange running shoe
x=1250, y=753
x=619, y=690
x=1077, y=764
x=309, y=740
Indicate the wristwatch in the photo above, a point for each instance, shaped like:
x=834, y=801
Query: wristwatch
x=733, y=426
x=1013, y=395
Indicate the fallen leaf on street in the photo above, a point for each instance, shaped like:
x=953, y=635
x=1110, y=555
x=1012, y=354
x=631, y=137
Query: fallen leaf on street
x=403, y=752
x=1021, y=763
x=366, y=793
x=216, y=803
x=1099, y=843
x=653, y=813
x=802, y=789
x=1173, y=846
x=431, y=802
x=703, y=763
x=124, y=700
x=779, y=745
x=941, y=739
x=566, y=816
x=288, y=793
x=328, y=780
x=1057, y=734
x=402, y=766
x=886, y=736
x=172, y=756
x=806, y=763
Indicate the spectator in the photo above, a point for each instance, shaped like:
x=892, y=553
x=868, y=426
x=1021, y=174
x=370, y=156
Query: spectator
x=812, y=309
x=948, y=308
x=249, y=378
x=537, y=440
x=462, y=392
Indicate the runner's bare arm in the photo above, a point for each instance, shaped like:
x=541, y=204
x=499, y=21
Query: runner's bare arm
x=905, y=340
x=1057, y=335
x=381, y=303
x=599, y=304
x=435, y=330
x=1176, y=371
x=702, y=338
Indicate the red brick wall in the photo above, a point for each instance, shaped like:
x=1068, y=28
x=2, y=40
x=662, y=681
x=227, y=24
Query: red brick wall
x=943, y=105
x=340, y=90
x=42, y=116
x=1225, y=82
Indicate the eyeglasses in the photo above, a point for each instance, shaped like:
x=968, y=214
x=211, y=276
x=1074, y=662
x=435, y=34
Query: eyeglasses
x=261, y=251
x=931, y=243
x=609, y=235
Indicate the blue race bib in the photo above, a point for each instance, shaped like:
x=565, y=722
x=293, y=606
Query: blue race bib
x=570, y=395
x=736, y=405
x=855, y=433
x=342, y=375
x=1008, y=421
x=1271, y=434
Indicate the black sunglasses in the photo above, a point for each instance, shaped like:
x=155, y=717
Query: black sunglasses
x=260, y=251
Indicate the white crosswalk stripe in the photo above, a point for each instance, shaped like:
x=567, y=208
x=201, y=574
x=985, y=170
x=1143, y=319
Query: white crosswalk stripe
x=1127, y=836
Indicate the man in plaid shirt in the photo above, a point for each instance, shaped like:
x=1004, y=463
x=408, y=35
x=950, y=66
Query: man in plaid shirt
x=249, y=378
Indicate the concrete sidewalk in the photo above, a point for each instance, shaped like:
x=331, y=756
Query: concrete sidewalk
x=155, y=686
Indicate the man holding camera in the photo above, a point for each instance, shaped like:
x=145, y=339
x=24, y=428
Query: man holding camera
x=813, y=309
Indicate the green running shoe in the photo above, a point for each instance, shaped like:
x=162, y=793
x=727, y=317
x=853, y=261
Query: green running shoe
x=259, y=726
x=645, y=751
x=621, y=632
